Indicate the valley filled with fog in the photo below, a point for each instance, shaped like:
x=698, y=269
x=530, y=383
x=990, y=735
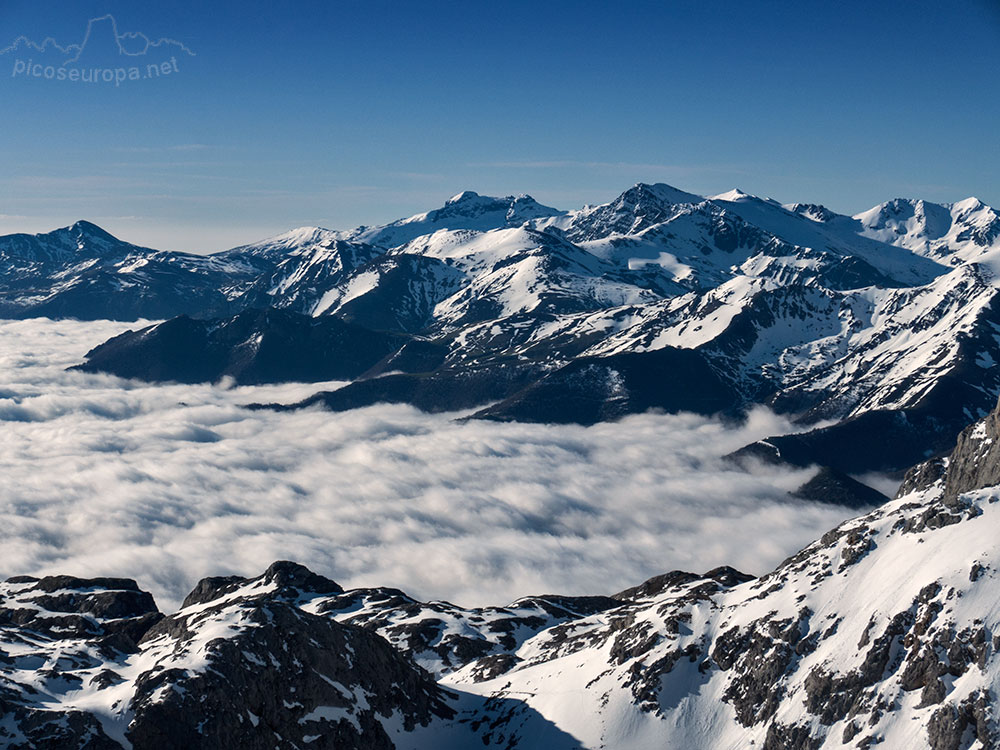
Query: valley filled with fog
x=169, y=483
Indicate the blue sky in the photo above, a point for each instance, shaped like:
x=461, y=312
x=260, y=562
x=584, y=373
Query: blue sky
x=341, y=113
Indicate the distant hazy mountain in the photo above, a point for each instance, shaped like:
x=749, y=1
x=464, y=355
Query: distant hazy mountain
x=83, y=272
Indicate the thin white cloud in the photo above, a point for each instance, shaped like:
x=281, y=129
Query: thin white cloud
x=615, y=166
x=72, y=185
x=158, y=149
x=572, y=163
x=171, y=483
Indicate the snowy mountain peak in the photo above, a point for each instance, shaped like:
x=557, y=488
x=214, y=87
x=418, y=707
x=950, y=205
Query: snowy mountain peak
x=660, y=192
x=969, y=205
x=466, y=210
x=301, y=236
x=732, y=196
x=465, y=195
x=982, y=220
x=523, y=207
x=954, y=232
x=82, y=238
x=906, y=215
x=283, y=244
x=637, y=209
x=471, y=203
x=90, y=230
x=812, y=211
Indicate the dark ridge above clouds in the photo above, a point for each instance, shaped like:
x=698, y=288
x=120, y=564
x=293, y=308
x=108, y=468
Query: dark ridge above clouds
x=251, y=348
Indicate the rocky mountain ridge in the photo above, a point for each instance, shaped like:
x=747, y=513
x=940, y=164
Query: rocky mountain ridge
x=888, y=318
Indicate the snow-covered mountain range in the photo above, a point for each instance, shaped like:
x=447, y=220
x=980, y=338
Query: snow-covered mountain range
x=885, y=322
x=884, y=632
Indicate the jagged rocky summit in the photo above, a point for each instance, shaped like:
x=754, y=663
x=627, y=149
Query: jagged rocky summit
x=883, y=633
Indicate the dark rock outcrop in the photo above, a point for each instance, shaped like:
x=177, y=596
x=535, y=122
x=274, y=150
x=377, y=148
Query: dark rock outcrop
x=447, y=389
x=837, y=488
x=975, y=462
x=883, y=441
x=280, y=677
x=253, y=347
x=594, y=389
x=241, y=665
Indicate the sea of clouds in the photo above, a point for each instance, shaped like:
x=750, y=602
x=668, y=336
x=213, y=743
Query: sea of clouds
x=170, y=483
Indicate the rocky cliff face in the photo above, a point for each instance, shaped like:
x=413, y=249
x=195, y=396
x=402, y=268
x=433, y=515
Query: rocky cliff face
x=975, y=461
x=92, y=664
x=251, y=668
x=972, y=465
